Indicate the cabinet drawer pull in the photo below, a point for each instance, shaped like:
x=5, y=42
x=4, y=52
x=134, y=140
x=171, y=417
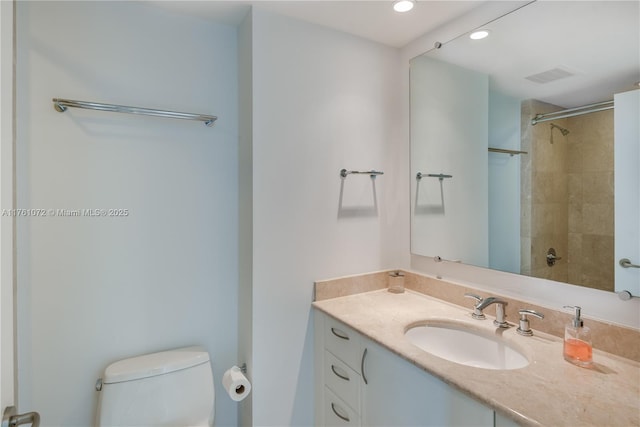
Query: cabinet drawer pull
x=342, y=417
x=339, y=334
x=364, y=376
x=338, y=374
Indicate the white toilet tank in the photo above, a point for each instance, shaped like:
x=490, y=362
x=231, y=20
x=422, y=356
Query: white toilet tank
x=170, y=388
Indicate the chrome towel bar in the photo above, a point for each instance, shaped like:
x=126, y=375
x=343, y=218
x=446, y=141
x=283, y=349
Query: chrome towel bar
x=440, y=176
x=371, y=173
x=505, y=151
x=61, y=105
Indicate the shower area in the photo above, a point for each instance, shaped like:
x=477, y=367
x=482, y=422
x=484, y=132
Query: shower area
x=567, y=196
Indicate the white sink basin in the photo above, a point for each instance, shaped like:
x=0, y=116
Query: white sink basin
x=460, y=344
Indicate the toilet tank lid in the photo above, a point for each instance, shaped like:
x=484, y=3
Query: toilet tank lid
x=150, y=365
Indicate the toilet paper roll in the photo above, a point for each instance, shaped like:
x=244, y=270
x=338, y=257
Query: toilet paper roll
x=236, y=384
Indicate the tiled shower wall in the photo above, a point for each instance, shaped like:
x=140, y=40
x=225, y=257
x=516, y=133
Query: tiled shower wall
x=567, y=197
x=544, y=194
x=591, y=200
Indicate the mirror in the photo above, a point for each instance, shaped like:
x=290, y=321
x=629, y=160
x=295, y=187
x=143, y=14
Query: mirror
x=492, y=189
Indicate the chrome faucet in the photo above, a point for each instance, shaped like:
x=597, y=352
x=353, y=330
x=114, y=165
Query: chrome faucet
x=524, y=328
x=500, y=305
x=481, y=304
x=477, y=314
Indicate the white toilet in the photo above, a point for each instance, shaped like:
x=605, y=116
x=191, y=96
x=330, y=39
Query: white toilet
x=171, y=388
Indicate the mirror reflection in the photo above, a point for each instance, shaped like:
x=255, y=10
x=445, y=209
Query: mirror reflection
x=513, y=160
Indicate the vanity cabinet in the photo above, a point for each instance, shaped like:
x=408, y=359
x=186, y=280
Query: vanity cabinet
x=361, y=383
x=398, y=393
x=338, y=373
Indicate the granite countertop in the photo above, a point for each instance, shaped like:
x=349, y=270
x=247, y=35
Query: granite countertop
x=548, y=392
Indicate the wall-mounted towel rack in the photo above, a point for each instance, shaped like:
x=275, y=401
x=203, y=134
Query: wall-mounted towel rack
x=61, y=105
x=371, y=173
x=505, y=151
x=440, y=176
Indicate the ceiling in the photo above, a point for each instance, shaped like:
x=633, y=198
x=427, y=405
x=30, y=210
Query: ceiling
x=373, y=20
x=594, y=44
x=597, y=41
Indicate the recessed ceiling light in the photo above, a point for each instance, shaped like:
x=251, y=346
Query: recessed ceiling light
x=403, y=5
x=479, y=34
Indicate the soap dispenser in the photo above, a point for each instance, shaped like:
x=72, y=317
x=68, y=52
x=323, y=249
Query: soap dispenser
x=577, y=341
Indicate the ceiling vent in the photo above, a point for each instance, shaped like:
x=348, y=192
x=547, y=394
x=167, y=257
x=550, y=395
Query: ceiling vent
x=550, y=75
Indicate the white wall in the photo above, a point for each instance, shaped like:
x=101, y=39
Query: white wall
x=94, y=290
x=7, y=258
x=245, y=212
x=322, y=101
x=627, y=189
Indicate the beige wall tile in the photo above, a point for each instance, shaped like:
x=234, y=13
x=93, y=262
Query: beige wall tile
x=597, y=157
x=598, y=261
x=574, y=187
x=598, y=187
x=597, y=218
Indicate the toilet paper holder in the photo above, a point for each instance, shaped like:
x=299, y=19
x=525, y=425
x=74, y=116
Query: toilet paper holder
x=235, y=383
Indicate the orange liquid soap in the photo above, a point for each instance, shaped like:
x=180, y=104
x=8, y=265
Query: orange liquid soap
x=578, y=352
x=577, y=341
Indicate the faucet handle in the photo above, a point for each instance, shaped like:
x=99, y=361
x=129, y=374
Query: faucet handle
x=477, y=314
x=478, y=298
x=524, y=328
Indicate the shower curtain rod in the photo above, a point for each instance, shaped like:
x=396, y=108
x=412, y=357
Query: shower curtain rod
x=61, y=106
x=571, y=112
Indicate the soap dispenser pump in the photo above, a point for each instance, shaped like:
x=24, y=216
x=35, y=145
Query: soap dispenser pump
x=577, y=341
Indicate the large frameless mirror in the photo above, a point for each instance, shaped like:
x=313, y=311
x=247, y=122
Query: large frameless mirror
x=519, y=160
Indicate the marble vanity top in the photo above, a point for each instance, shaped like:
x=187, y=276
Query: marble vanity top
x=549, y=391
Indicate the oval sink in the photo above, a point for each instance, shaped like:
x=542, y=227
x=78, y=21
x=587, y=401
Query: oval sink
x=466, y=346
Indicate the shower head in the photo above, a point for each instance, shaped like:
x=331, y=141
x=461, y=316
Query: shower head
x=564, y=131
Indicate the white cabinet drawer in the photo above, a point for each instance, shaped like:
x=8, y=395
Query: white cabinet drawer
x=342, y=380
x=337, y=412
x=343, y=342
